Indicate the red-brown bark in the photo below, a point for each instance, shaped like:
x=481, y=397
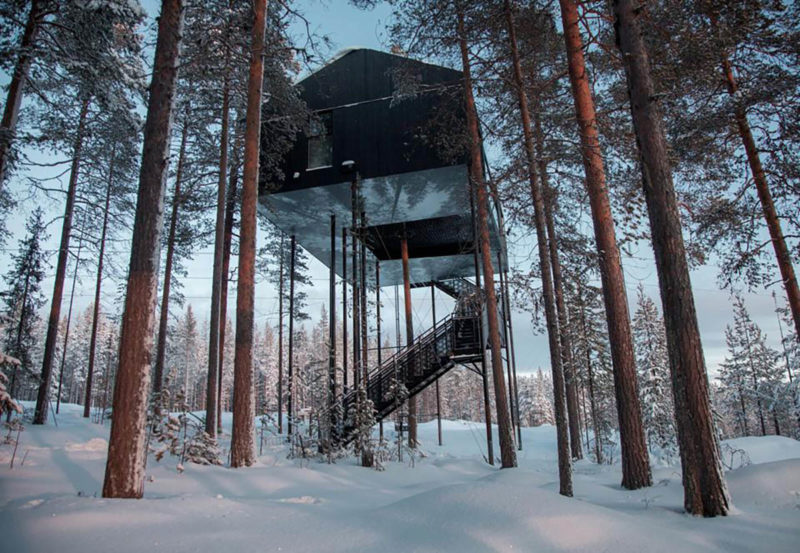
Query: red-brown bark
x=124, y=475
x=412, y=401
x=635, y=459
x=782, y=254
x=242, y=446
x=16, y=87
x=508, y=456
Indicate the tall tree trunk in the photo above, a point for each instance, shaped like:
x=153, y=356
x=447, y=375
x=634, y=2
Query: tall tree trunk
x=97, y=287
x=782, y=254
x=230, y=209
x=163, y=320
x=217, y=318
x=564, y=464
x=69, y=318
x=635, y=459
x=508, y=455
x=705, y=492
x=412, y=401
x=16, y=88
x=124, y=475
x=42, y=398
x=242, y=447
x=570, y=379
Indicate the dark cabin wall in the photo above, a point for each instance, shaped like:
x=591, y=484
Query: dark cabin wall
x=383, y=136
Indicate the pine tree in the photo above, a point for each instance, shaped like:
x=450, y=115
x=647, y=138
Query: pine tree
x=24, y=298
x=705, y=491
x=126, y=448
x=652, y=363
x=242, y=446
x=91, y=42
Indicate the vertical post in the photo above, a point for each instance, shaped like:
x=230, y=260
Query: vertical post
x=332, y=335
x=344, y=313
x=438, y=394
x=378, y=329
x=289, y=413
x=412, y=401
x=280, y=339
x=364, y=328
x=356, y=281
x=398, y=413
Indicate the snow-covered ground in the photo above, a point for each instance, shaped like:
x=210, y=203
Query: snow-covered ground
x=449, y=501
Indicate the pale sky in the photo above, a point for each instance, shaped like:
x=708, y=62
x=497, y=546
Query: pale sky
x=347, y=26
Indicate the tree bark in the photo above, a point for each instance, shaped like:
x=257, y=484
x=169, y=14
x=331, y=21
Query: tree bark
x=161, y=346
x=69, y=319
x=564, y=464
x=508, y=456
x=705, y=492
x=242, y=447
x=570, y=380
x=42, y=398
x=226, y=264
x=635, y=460
x=16, y=88
x=217, y=318
x=124, y=475
x=782, y=254
x=97, y=287
x=412, y=401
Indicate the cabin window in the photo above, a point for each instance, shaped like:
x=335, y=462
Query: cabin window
x=320, y=141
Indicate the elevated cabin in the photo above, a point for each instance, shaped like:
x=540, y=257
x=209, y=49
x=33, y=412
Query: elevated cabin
x=387, y=136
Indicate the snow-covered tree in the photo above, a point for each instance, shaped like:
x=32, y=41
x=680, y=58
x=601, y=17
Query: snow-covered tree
x=750, y=377
x=652, y=363
x=22, y=300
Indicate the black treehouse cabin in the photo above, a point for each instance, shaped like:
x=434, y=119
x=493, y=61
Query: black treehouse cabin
x=379, y=183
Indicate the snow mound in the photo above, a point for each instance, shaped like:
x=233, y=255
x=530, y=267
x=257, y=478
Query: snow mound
x=774, y=485
x=766, y=449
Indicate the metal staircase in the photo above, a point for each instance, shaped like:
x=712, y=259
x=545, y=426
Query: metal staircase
x=452, y=341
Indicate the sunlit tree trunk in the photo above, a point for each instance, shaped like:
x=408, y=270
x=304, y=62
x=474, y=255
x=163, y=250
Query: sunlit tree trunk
x=635, y=459
x=242, y=446
x=508, y=456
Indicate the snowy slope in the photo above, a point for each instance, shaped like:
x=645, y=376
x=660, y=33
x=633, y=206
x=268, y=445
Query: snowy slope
x=449, y=501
